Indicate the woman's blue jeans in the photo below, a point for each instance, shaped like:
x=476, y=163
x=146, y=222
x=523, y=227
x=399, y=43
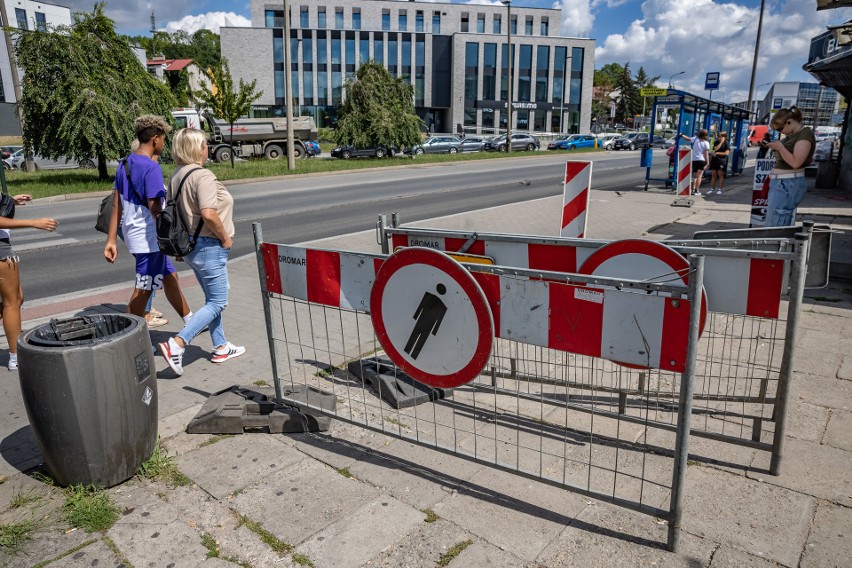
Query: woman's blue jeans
x=784, y=197
x=209, y=261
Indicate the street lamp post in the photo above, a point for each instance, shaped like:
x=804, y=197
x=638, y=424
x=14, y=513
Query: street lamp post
x=756, y=52
x=508, y=4
x=566, y=76
x=673, y=76
x=288, y=87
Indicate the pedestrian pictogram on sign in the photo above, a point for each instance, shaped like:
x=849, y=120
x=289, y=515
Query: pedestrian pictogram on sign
x=431, y=317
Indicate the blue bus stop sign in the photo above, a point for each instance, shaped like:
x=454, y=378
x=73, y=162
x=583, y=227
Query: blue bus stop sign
x=711, y=82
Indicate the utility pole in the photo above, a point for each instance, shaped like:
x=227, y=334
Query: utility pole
x=756, y=53
x=288, y=86
x=508, y=4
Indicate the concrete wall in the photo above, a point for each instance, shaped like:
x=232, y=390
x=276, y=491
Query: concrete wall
x=249, y=55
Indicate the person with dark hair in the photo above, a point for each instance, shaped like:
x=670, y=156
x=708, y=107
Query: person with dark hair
x=700, y=158
x=787, y=185
x=138, y=199
x=719, y=163
x=764, y=146
x=11, y=293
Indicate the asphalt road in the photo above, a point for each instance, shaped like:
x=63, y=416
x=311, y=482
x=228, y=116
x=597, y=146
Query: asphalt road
x=303, y=208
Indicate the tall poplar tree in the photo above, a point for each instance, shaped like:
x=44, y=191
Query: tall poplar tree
x=82, y=88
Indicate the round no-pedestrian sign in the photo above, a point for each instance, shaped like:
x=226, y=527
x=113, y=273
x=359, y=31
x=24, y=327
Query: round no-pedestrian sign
x=431, y=317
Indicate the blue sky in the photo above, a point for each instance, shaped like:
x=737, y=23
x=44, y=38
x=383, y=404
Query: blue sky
x=664, y=36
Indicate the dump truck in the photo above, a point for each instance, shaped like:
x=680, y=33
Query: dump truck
x=253, y=137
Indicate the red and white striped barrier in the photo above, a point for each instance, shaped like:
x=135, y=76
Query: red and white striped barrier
x=575, y=198
x=684, y=171
x=636, y=329
x=734, y=285
x=639, y=329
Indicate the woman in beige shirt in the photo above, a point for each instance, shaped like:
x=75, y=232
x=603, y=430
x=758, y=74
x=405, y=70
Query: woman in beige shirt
x=204, y=200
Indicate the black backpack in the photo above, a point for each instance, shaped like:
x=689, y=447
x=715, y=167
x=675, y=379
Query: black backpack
x=173, y=236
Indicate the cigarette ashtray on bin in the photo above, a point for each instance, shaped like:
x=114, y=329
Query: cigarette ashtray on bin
x=89, y=386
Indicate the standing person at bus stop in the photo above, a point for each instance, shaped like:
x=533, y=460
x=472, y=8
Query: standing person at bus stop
x=719, y=163
x=700, y=158
x=787, y=183
x=138, y=198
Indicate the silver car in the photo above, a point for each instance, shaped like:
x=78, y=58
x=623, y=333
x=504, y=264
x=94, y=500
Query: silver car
x=472, y=144
x=16, y=160
x=439, y=145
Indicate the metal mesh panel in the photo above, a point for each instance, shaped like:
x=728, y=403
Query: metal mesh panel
x=546, y=429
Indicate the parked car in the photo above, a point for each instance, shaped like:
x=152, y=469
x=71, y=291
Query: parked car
x=439, y=145
x=605, y=140
x=347, y=152
x=636, y=140
x=472, y=144
x=41, y=163
x=7, y=151
x=519, y=142
x=573, y=142
x=312, y=148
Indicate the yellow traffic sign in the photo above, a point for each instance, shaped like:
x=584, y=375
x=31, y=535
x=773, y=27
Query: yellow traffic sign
x=653, y=92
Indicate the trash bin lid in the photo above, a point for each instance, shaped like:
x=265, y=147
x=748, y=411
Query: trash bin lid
x=82, y=330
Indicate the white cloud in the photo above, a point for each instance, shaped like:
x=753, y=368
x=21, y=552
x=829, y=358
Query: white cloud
x=210, y=21
x=699, y=36
x=577, y=17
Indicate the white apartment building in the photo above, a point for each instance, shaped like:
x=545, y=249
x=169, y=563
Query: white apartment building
x=23, y=15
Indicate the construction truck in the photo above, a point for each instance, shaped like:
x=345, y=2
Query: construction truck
x=253, y=137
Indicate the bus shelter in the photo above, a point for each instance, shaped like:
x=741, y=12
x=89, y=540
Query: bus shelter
x=690, y=113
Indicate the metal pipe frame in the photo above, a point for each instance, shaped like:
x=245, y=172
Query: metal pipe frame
x=267, y=308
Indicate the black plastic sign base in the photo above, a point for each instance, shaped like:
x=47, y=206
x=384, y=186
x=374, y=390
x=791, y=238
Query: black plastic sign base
x=392, y=385
x=236, y=410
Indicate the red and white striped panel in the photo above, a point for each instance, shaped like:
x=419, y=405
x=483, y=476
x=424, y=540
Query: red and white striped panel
x=627, y=327
x=743, y=286
x=639, y=329
x=684, y=171
x=331, y=278
x=575, y=198
x=562, y=257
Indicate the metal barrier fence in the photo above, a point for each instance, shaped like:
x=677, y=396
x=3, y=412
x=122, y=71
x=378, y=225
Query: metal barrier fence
x=316, y=306
x=745, y=354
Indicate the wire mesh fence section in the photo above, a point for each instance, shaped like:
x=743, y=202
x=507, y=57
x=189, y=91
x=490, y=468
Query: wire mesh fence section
x=738, y=367
x=544, y=430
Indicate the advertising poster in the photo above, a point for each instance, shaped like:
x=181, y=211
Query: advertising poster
x=760, y=191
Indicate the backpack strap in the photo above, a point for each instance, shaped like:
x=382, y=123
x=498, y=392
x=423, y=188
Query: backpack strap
x=177, y=202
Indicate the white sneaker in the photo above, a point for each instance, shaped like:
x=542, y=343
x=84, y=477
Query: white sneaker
x=13, y=365
x=709, y=193
x=718, y=192
x=227, y=351
x=169, y=349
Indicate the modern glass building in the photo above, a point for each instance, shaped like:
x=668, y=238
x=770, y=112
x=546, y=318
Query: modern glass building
x=806, y=96
x=455, y=56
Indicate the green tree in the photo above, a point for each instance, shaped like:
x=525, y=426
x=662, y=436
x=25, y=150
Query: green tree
x=378, y=110
x=629, y=102
x=224, y=100
x=83, y=87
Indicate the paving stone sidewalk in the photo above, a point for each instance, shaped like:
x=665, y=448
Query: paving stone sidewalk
x=354, y=498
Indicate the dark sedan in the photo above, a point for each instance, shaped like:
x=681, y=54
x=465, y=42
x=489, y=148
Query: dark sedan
x=637, y=140
x=347, y=152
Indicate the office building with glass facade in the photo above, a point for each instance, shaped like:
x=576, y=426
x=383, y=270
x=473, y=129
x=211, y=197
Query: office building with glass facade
x=454, y=55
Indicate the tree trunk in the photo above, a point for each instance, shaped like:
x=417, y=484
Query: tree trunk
x=103, y=174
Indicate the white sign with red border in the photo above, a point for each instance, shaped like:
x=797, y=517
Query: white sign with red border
x=431, y=317
x=647, y=261
x=760, y=191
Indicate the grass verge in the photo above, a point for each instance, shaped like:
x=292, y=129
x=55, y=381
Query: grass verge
x=162, y=467
x=63, y=182
x=89, y=508
x=14, y=535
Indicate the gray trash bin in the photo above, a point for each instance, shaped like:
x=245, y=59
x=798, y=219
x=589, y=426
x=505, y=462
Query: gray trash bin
x=89, y=386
